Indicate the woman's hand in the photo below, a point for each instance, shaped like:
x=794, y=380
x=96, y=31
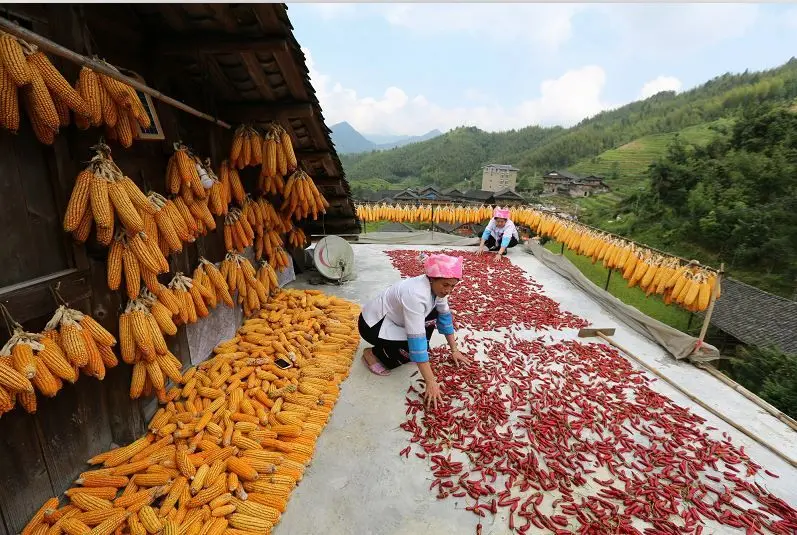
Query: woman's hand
x=459, y=358
x=433, y=395
x=481, y=249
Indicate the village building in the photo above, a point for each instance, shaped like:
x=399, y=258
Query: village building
x=566, y=183
x=497, y=177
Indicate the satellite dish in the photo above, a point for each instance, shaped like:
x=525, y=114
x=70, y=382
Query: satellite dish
x=333, y=257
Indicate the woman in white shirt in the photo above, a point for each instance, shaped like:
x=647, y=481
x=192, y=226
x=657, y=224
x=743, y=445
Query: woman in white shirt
x=500, y=234
x=400, y=321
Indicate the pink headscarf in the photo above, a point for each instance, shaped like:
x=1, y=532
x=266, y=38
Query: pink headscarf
x=443, y=266
x=502, y=213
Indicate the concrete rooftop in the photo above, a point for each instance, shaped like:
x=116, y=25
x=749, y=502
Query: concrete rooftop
x=358, y=484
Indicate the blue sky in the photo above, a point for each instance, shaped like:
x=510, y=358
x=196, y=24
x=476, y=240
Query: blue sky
x=410, y=68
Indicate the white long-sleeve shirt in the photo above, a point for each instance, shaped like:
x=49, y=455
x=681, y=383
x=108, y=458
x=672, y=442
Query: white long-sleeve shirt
x=501, y=235
x=405, y=306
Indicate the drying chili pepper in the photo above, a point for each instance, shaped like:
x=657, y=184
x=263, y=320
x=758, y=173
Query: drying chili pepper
x=571, y=429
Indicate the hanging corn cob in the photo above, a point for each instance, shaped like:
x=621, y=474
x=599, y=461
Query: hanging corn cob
x=143, y=346
x=238, y=233
x=271, y=219
x=296, y=238
x=27, y=73
x=71, y=343
x=247, y=147
x=100, y=195
x=269, y=243
x=234, y=435
x=240, y=276
x=302, y=198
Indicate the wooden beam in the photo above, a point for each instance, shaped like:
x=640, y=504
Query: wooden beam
x=312, y=154
x=216, y=43
x=265, y=111
x=219, y=78
x=222, y=12
x=171, y=13
x=255, y=70
x=289, y=67
x=32, y=299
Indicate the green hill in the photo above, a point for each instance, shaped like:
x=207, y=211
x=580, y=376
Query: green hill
x=455, y=158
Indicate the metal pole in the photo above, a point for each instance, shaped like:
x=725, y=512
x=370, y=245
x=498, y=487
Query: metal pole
x=608, y=278
x=58, y=50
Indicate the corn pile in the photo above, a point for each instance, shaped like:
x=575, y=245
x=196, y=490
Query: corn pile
x=689, y=286
x=233, y=439
x=71, y=343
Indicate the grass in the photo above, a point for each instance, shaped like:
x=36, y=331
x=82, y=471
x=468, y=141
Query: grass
x=652, y=306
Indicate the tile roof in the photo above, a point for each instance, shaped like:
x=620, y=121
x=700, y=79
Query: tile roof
x=756, y=317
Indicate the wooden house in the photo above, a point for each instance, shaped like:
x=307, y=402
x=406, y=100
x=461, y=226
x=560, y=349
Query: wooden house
x=237, y=62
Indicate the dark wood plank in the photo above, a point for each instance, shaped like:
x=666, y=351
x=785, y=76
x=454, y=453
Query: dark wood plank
x=255, y=70
x=11, y=243
x=24, y=481
x=215, y=43
x=3, y=529
x=220, y=80
x=33, y=298
x=291, y=72
x=73, y=427
x=265, y=111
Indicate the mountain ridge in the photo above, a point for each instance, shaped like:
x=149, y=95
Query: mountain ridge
x=348, y=140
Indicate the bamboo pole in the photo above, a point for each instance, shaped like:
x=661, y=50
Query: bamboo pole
x=700, y=402
x=710, y=310
x=63, y=52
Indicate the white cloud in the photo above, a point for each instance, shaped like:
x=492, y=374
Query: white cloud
x=546, y=25
x=658, y=84
x=562, y=101
x=655, y=29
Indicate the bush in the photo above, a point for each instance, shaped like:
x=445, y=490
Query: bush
x=768, y=373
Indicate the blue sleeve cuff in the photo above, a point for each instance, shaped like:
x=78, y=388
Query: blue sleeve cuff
x=419, y=349
x=445, y=324
x=485, y=234
x=505, y=240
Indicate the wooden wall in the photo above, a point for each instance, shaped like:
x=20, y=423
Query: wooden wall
x=41, y=454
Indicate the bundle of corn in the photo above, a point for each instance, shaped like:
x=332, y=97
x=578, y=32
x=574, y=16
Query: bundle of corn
x=268, y=278
x=46, y=96
x=184, y=175
x=271, y=219
x=234, y=436
x=240, y=276
x=208, y=276
x=31, y=360
x=142, y=344
x=72, y=342
x=689, y=286
x=279, y=260
x=231, y=181
x=269, y=243
x=279, y=159
x=296, y=238
x=238, y=233
x=167, y=226
x=138, y=257
x=302, y=198
x=102, y=193
x=247, y=147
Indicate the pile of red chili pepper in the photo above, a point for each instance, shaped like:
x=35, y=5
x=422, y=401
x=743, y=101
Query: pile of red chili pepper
x=493, y=294
x=568, y=438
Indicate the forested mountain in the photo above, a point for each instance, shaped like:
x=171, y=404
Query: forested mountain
x=455, y=158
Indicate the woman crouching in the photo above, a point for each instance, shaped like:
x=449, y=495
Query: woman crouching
x=400, y=321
